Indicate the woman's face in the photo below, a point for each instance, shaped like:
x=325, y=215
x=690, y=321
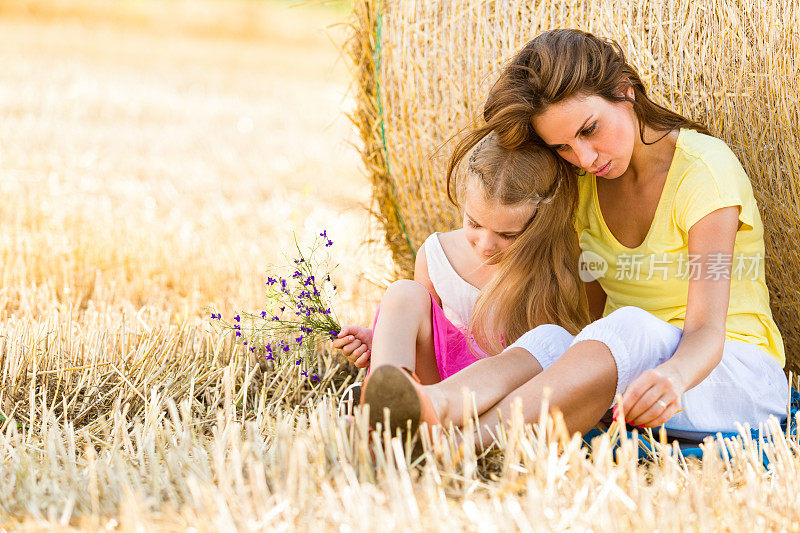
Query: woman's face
x=591, y=132
x=490, y=227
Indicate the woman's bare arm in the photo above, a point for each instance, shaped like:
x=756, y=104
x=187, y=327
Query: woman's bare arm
x=699, y=351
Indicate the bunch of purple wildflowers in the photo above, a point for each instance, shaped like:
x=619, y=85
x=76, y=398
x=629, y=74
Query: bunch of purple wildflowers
x=298, y=314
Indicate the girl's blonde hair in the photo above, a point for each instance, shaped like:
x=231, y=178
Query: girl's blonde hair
x=537, y=279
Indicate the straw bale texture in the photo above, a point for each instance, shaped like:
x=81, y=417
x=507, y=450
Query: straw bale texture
x=731, y=65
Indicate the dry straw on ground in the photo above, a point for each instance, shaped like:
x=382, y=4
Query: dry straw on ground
x=734, y=66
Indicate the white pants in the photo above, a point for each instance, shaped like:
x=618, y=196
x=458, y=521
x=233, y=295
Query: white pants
x=746, y=386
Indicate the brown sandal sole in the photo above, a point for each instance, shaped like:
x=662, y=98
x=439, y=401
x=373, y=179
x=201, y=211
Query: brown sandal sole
x=389, y=387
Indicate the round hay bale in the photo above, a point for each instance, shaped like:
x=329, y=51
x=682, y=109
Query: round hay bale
x=423, y=70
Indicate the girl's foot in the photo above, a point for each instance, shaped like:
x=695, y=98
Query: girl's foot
x=399, y=390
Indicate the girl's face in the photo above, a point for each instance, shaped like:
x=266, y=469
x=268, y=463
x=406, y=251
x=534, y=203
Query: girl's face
x=591, y=132
x=489, y=226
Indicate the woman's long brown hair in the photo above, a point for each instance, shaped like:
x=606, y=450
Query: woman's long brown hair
x=557, y=65
x=553, y=67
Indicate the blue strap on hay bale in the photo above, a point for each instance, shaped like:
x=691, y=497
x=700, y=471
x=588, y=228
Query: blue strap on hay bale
x=376, y=60
x=646, y=449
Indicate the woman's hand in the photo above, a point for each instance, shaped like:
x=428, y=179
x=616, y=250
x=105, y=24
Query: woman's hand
x=356, y=344
x=702, y=341
x=652, y=398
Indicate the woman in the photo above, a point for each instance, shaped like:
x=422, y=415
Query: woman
x=686, y=336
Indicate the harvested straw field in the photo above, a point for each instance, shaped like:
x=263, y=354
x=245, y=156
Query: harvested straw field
x=155, y=157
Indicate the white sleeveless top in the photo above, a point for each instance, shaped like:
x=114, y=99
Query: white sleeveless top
x=457, y=295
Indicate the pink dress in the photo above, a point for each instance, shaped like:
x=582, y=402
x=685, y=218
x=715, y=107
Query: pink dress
x=451, y=319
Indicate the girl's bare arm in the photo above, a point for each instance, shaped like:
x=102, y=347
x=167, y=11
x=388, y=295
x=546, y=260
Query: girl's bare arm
x=596, y=297
x=421, y=273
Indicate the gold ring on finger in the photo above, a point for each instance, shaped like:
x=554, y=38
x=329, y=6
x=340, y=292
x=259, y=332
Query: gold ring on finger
x=662, y=404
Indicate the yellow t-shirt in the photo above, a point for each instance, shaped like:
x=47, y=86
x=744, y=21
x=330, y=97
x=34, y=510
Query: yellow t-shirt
x=704, y=176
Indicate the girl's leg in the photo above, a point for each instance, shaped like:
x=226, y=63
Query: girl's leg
x=403, y=334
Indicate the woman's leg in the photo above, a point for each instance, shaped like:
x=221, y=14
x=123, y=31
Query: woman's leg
x=747, y=386
x=489, y=379
x=603, y=360
x=582, y=383
x=493, y=378
x=403, y=334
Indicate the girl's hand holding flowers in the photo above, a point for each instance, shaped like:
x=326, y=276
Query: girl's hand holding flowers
x=652, y=398
x=298, y=315
x=356, y=344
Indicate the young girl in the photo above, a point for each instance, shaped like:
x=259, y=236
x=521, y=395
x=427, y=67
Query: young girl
x=686, y=336
x=512, y=266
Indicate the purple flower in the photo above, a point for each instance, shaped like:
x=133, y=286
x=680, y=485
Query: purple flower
x=275, y=319
x=316, y=292
x=282, y=309
x=271, y=281
x=252, y=348
x=304, y=373
x=305, y=329
x=263, y=314
x=283, y=283
x=270, y=357
x=329, y=243
x=238, y=333
x=216, y=316
x=324, y=234
x=297, y=274
x=333, y=333
x=299, y=339
x=328, y=277
x=315, y=377
x=285, y=348
x=296, y=363
x=245, y=343
x=237, y=326
x=326, y=312
x=237, y=318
